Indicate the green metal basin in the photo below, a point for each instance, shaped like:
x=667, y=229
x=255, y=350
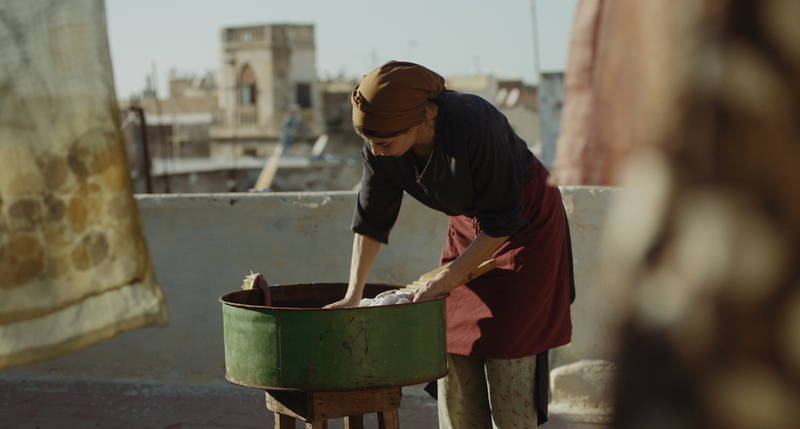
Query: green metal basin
x=294, y=344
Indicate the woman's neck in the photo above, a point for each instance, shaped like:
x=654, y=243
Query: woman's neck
x=425, y=139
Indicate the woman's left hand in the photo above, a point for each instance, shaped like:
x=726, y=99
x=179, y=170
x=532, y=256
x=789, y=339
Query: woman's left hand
x=438, y=286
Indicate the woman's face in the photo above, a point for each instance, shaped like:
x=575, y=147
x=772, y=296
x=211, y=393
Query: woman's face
x=398, y=145
x=393, y=146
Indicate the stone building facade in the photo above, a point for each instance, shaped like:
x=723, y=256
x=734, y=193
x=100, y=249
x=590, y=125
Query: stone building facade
x=267, y=72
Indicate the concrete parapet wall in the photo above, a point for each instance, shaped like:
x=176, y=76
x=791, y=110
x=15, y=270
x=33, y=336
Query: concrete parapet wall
x=203, y=245
x=593, y=313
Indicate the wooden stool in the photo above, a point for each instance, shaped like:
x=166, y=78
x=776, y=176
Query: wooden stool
x=315, y=408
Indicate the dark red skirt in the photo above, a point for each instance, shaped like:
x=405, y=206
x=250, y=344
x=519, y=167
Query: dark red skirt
x=521, y=308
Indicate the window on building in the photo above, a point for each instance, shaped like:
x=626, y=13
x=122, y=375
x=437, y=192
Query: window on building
x=247, y=90
x=303, y=95
x=247, y=94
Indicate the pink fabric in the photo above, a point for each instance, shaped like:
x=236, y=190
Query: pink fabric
x=613, y=99
x=579, y=159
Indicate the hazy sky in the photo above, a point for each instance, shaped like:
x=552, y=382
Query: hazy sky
x=352, y=36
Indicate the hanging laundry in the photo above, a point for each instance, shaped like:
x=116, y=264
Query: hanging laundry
x=74, y=266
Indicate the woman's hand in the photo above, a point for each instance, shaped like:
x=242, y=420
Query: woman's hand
x=438, y=286
x=365, y=249
x=346, y=302
x=457, y=272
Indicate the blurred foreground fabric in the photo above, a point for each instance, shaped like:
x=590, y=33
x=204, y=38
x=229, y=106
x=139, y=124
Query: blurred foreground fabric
x=704, y=242
x=619, y=65
x=579, y=161
x=74, y=267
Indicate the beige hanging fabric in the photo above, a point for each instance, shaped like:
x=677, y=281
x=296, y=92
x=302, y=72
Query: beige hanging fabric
x=74, y=267
x=598, y=134
x=579, y=160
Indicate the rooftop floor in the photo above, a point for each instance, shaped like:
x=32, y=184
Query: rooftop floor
x=47, y=404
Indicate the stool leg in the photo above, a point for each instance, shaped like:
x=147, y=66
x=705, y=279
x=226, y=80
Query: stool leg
x=354, y=422
x=389, y=419
x=317, y=424
x=283, y=421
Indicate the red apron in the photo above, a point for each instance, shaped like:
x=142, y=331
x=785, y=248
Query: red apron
x=520, y=308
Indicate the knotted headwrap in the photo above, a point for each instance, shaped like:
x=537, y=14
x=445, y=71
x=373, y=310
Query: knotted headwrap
x=392, y=97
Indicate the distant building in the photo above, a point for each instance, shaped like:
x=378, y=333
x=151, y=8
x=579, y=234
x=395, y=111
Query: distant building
x=552, y=25
x=294, y=173
x=267, y=72
x=519, y=102
x=215, y=132
x=177, y=127
x=484, y=85
x=191, y=86
x=337, y=110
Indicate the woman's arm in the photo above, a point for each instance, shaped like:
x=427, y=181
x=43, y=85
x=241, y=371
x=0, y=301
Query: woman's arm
x=365, y=249
x=478, y=251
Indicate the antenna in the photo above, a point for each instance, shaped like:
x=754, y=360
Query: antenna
x=534, y=25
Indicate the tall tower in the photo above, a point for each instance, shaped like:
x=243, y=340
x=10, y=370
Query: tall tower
x=267, y=73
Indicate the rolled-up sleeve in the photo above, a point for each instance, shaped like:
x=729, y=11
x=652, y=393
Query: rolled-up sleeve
x=378, y=201
x=497, y=177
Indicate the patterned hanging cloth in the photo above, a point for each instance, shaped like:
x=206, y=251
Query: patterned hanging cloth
x=74, y=267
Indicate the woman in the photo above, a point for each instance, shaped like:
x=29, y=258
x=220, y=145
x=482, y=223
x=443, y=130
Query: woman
x=457, y=154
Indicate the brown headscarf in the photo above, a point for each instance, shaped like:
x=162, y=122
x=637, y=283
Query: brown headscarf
x=392, y=97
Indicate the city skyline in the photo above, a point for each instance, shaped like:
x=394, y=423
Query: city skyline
x=352, y=36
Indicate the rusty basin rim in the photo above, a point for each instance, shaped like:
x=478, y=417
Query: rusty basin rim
x=222, y=299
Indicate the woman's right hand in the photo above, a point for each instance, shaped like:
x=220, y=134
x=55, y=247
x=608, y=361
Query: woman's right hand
x=346, y=302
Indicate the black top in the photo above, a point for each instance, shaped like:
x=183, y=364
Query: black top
x=477, y=168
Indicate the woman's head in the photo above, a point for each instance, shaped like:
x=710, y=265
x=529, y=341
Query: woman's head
x=392, y=99
x=399, y=142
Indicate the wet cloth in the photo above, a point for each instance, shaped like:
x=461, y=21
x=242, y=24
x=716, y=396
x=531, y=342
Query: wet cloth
x=390, y=297
x=487, y=393
x=74, y=267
